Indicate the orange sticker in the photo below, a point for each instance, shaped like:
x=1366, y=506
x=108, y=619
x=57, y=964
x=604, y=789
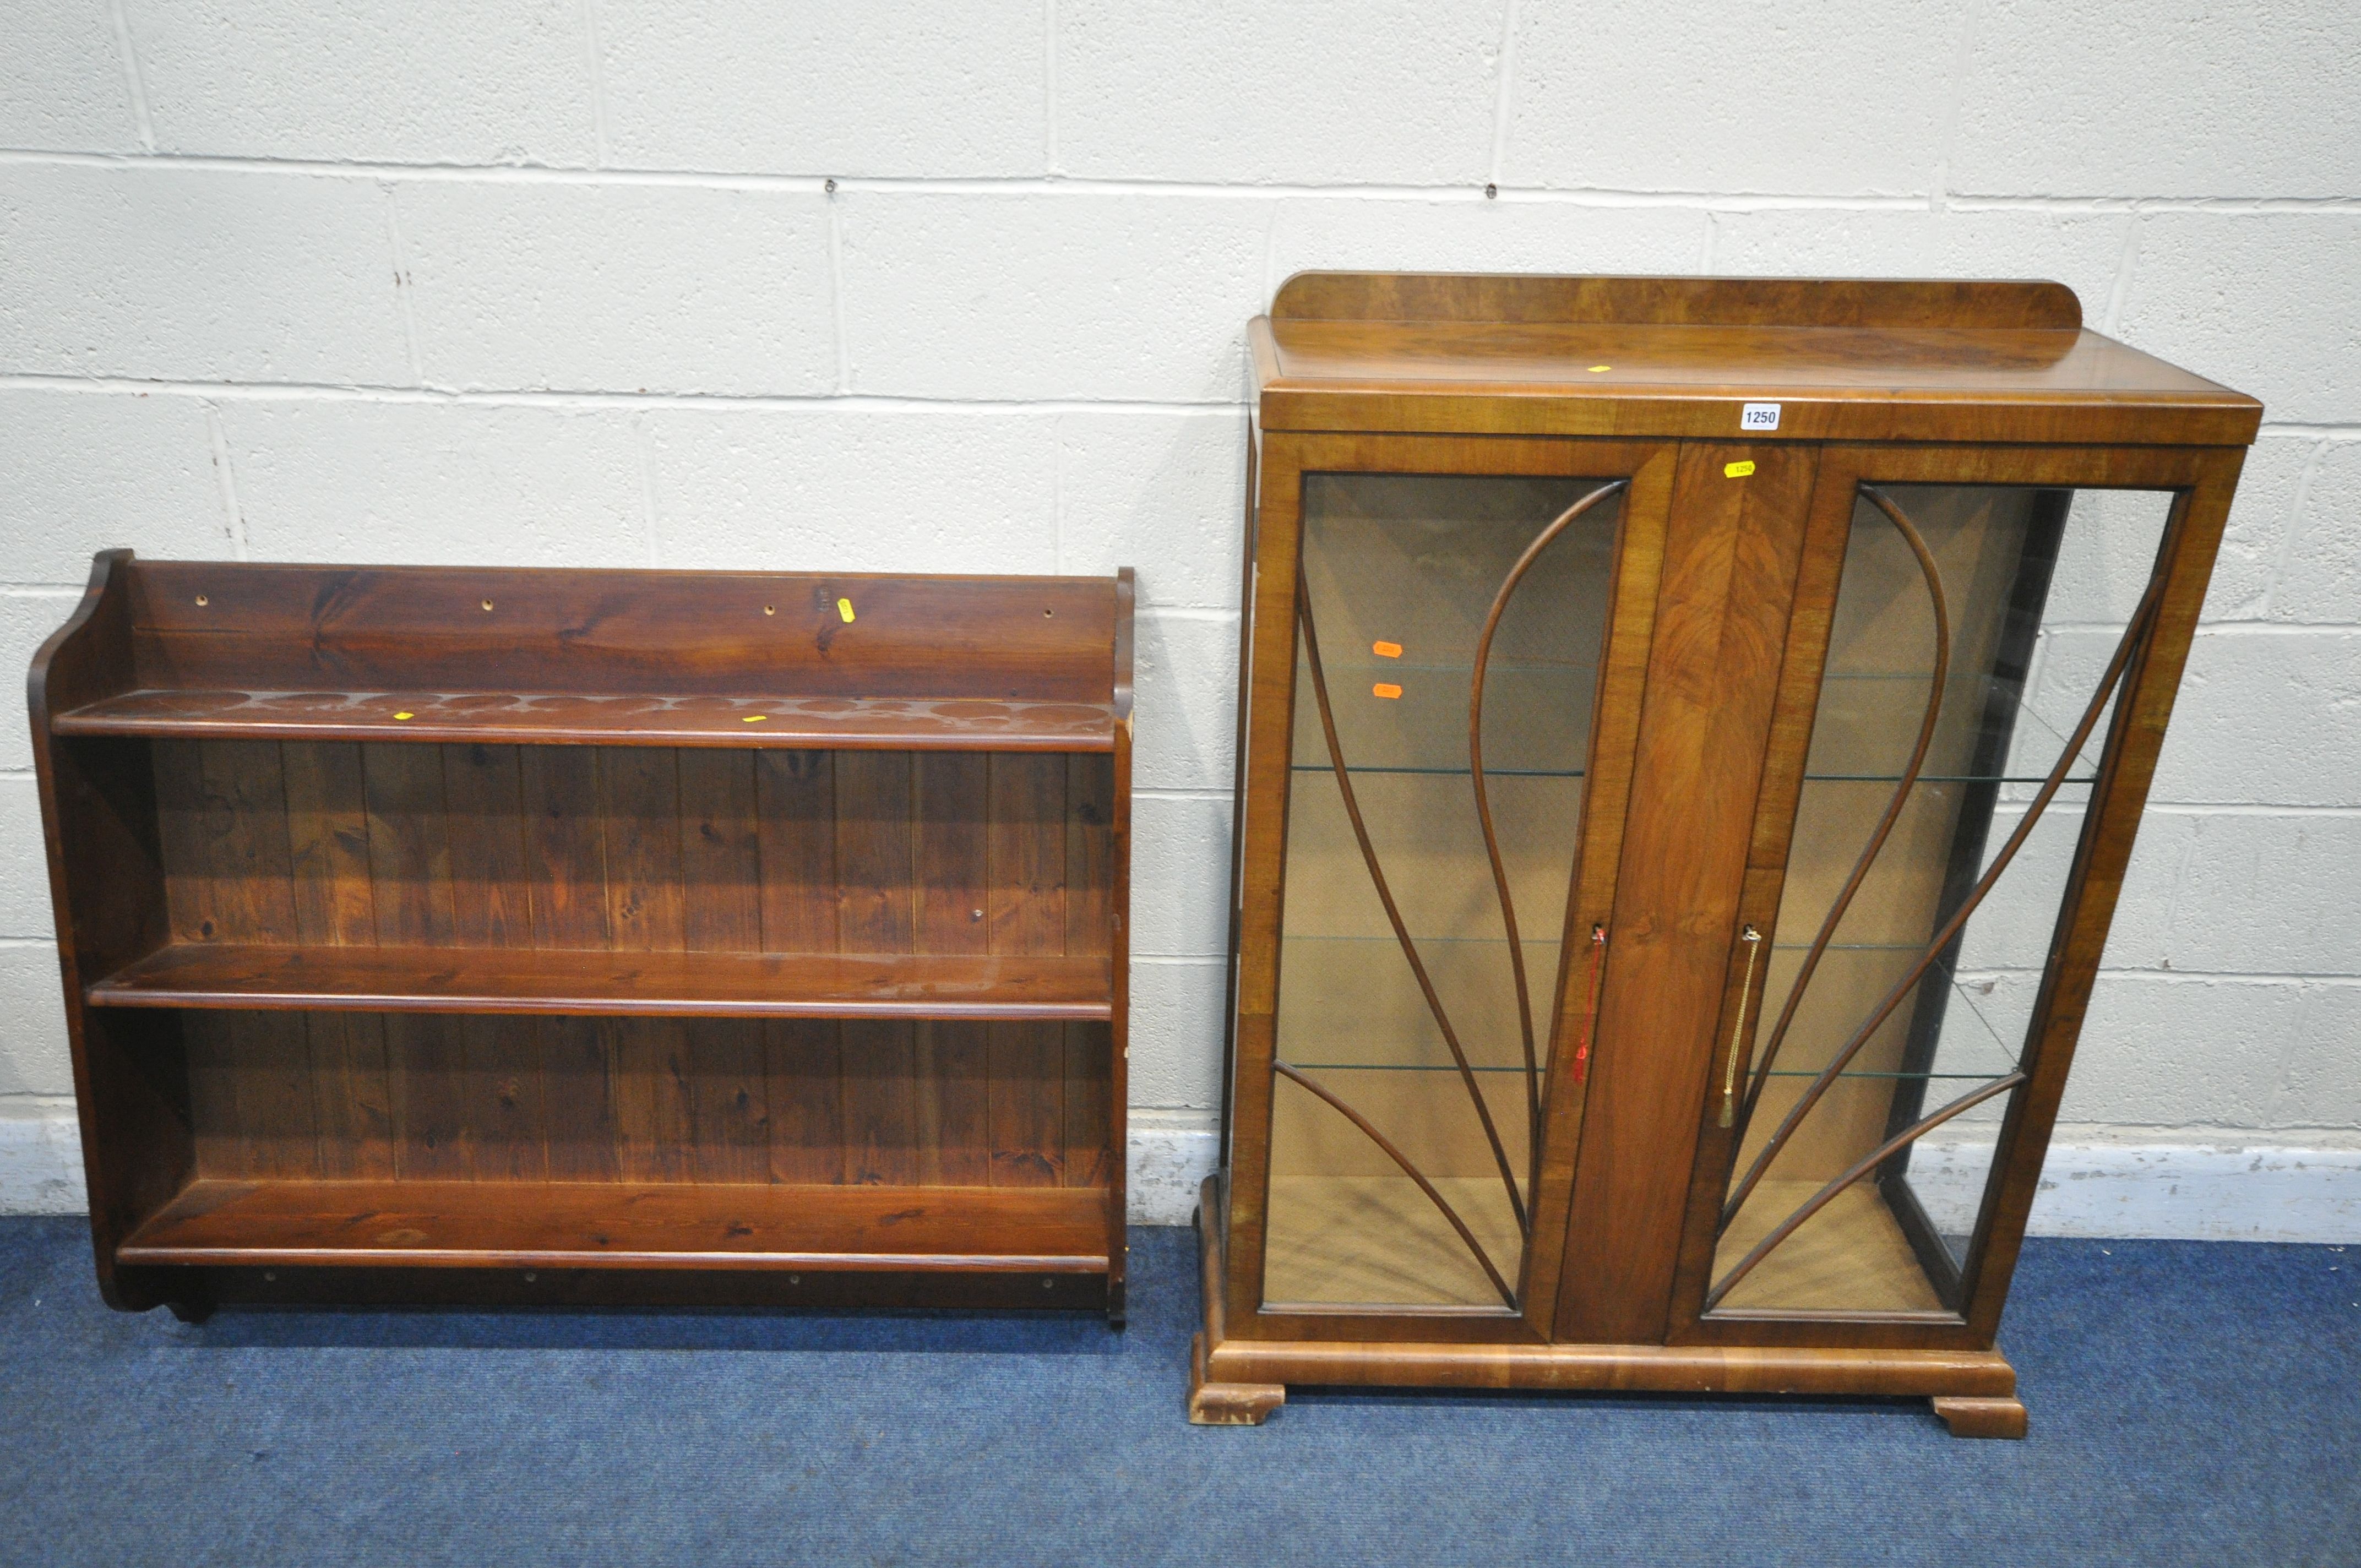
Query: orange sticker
x=1386, y=649
x=1385, y=689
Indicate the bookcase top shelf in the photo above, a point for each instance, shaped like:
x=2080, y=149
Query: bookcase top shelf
x=836, y=723
x=244, y=650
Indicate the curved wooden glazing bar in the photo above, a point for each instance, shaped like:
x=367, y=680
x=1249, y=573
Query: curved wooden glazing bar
x=1393, y=912
x=2142, y=619
x=1893, y=814
x=1508, y=587
x=1851, y=1174
x=1409, y=1169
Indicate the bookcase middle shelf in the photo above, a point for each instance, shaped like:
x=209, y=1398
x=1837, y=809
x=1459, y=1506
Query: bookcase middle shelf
x=665, y=984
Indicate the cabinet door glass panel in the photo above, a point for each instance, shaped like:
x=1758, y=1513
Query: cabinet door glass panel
x=1911, y=1011
x=1401, y=1170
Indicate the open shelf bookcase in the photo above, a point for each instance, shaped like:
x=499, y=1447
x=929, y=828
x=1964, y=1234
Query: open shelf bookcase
x=458, y=933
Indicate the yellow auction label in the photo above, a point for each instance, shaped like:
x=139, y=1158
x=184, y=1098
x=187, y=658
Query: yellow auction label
x=1736, y=470
x=844, y=609
x=755, y=718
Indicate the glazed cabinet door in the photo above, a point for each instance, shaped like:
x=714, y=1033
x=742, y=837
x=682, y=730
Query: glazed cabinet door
x=1446, y=642
x=1983, y=648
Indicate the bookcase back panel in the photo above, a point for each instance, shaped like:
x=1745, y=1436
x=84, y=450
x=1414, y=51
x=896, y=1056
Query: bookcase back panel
x=369, y=1096
x=635, y=849
x=198, y=624
x=641, y=849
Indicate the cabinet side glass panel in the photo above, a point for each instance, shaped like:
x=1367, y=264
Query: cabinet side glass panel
x=1911, y=1011
x=1399, y=1177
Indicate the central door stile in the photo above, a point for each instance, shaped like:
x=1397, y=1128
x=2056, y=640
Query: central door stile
x=1590, y=898
x=1733, y=546
x=1826, y=526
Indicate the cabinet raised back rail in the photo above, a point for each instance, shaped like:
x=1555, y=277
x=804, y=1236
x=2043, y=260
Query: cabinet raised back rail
x=1692, y=734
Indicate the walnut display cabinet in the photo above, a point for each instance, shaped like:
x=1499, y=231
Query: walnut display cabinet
x=537, y=937
x=1692, y=732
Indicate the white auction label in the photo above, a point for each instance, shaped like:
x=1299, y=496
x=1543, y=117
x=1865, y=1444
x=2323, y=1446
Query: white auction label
x=1759, y=416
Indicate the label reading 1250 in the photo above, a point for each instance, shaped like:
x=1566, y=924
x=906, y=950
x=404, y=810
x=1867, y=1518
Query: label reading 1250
x=1759, y=416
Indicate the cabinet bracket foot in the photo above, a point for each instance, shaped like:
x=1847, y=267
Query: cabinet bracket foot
x=1227, y=1404
x=1982, y=1418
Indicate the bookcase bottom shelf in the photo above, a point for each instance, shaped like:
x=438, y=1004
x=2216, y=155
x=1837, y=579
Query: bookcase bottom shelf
x=616, y=1226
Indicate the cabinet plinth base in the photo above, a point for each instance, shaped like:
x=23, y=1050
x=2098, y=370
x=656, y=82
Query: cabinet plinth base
x=1237, y=1380
x=1982, y=1418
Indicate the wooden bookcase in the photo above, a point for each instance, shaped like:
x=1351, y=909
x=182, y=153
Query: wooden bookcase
x=1693, y=734
x=446, y=933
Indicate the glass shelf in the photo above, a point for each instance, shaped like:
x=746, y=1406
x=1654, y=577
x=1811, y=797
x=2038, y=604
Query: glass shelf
x=1489, y=773
x=1894, y=1074
x=1353, y=997
x=1464, y=669
x=1367, y=981
x=1493, y=773
x=1453, y=1068
x=1867, y=719
x=1390, y=939
x=1396, y=1067
x=2068, y=783
x=1416, y=743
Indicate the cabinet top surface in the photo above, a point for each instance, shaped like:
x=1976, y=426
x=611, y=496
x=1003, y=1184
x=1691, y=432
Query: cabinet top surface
x=1867, y=360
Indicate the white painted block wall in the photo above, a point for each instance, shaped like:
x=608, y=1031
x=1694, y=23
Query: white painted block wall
x=568, y=282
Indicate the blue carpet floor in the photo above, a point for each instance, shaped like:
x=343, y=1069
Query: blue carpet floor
x=2192, y=1403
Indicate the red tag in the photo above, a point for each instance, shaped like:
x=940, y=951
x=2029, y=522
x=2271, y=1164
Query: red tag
x=1590, y=1018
